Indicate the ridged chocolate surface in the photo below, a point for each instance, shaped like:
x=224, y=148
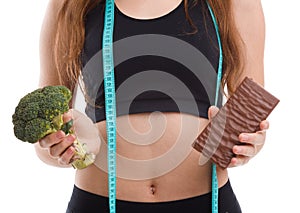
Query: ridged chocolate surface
x=243, y=112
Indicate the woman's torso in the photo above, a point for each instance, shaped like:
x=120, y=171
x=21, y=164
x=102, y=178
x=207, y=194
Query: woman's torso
x=155, y=159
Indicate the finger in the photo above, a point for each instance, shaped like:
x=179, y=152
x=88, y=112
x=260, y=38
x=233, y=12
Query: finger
x=245, y=150
x=52, y=139
x=257, y=138
x=212, y=111
x=66, y=157
x=239, y=161
x=58, y=149
x=264, y=125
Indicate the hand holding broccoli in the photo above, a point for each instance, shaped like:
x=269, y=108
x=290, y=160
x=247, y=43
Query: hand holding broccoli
x=40, y=113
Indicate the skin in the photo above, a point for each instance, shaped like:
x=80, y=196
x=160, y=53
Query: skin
x=56, y=149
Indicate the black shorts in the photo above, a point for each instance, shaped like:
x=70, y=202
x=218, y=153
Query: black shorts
x=86, y=202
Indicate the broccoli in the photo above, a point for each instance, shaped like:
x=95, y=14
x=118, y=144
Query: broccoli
x=40, y=113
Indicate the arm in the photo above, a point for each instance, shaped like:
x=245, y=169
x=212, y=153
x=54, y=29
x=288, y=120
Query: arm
x=250, y=22
x=249, y=19
x=54, y=149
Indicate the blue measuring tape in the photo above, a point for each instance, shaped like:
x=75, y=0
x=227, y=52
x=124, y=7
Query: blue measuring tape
x=110, y=103
x=214, y=177
x=110, y=100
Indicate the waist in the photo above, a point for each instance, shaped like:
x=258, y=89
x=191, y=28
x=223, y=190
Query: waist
x=82, y=200
x=186, y=180
x=155, y=159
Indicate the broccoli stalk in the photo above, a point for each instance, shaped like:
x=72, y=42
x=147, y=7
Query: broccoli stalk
x=40, y=113
x=81, y=159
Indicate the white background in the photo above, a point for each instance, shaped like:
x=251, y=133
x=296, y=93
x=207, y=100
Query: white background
x=269, y=183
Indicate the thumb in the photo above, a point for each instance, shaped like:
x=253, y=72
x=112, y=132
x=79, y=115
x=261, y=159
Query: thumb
x=67, y=116
x=212, y=111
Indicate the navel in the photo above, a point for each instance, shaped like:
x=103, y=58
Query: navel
x=152, y=189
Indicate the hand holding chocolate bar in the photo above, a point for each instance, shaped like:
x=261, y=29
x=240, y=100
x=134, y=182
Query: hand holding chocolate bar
x=243, y=112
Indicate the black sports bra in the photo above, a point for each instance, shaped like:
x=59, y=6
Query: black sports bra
x=159, y=64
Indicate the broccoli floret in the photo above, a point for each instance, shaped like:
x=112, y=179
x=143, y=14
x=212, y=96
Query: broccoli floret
x=37, y=128
x=40, y=113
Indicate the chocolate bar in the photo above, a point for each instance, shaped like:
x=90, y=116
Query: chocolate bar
x=244, y=110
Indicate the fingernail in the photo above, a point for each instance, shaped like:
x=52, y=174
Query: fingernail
x=59, y=135
x=237, y=150
x=214, y=109
x=70, y=151
x=234, y=161
x=266, y=126
x=71, y=138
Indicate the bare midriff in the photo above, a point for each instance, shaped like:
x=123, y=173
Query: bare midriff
x=157, y=161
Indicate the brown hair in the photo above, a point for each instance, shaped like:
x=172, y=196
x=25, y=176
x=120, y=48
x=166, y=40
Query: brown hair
x=70, y=34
